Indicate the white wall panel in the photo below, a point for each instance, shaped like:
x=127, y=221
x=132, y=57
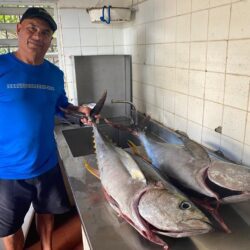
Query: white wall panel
x=191, y=64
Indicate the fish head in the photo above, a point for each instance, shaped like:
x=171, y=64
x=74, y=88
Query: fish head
x=231, y=180
x=171, y=213
x=229, y=175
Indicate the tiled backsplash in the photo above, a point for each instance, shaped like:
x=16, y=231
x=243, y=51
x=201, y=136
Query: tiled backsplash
x=191, y=65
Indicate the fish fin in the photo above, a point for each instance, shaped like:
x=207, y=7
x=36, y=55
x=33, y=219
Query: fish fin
x=91, y=170
x=131, y=166
x=135, y=151
x=133, y=147
x=137, y=175
x=194, y=148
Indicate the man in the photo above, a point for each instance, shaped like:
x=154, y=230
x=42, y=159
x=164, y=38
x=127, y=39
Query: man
x=31, y=92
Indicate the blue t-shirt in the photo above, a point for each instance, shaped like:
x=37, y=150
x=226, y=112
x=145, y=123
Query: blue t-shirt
x=29, y=98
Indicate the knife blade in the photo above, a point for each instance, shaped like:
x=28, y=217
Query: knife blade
x=99, y=105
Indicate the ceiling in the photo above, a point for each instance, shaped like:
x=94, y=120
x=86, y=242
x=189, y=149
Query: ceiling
x=97, y=3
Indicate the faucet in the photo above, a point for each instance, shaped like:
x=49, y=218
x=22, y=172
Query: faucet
x=133, y=108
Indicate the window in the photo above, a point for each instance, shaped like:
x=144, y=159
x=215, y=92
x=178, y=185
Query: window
x=9, y=16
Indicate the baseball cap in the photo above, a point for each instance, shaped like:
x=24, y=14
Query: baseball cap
x=39, y=13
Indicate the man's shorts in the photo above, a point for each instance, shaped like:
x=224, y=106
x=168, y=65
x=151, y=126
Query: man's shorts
x=46, y=192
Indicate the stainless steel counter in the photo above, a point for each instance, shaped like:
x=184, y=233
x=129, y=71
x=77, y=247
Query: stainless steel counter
x=103, y=230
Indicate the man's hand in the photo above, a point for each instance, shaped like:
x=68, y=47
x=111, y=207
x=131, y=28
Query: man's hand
x=86, y=111
x=76, y=110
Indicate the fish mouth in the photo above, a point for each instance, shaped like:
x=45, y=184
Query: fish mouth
x=224, y=192
x=186, y=233
x=213, y=191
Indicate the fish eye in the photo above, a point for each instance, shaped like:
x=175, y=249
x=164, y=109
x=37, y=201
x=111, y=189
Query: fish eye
x=184, y=205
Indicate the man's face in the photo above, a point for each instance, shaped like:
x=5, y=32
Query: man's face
x=34, y=35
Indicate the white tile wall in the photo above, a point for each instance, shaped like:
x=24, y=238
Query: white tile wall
x=234, y=122
x=248, y=104
x=107, y=50
x=165, y=54
x=194, y=131
x=181, y=104
x=136, y=90
x=196, y=83
x=211, y=139
x=118, y=36
x=159, y=98
x=231, y=148
x=195, y=109
x=182, y=55
x=214, y=87
x=247, y=138
x=149, y=94
x=216, y=56
x=71, y=37
x=150, y=54
x=148, y=75
x=239, y=57
x=89, y=51
x=199, y=24
x=169, y=102
x=159, y=76
x=105, y=37
x=155, y=113
x=237, y=91
x=183, y=6
x=119, y=50
x=170, y=30
x=214, y=3
x=240, y=20
x=160, y=9
x=246, y=155
x=141, y=34
x=183, y=28
x=219, y=23
x=159, y=29
x=180, y=123
x=68, y=20
x=149, y=33
x=169, y=7
x=88, y=37
x=198, y=55
x=199, y=4
x=212, y=115
x=191, y=64
x=181, y=84
x=130, y=36
x=168, y=119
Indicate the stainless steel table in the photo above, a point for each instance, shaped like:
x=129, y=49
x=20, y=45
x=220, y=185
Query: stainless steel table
x=103, y=230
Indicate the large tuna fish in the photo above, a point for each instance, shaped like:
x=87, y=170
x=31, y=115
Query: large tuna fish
x=192, y=167
x=147, y=202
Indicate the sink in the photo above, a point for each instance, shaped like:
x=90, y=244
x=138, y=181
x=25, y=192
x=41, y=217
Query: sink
x=80, y=140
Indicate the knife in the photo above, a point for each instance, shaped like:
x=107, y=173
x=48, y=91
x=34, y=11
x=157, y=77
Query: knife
x=75, y=116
